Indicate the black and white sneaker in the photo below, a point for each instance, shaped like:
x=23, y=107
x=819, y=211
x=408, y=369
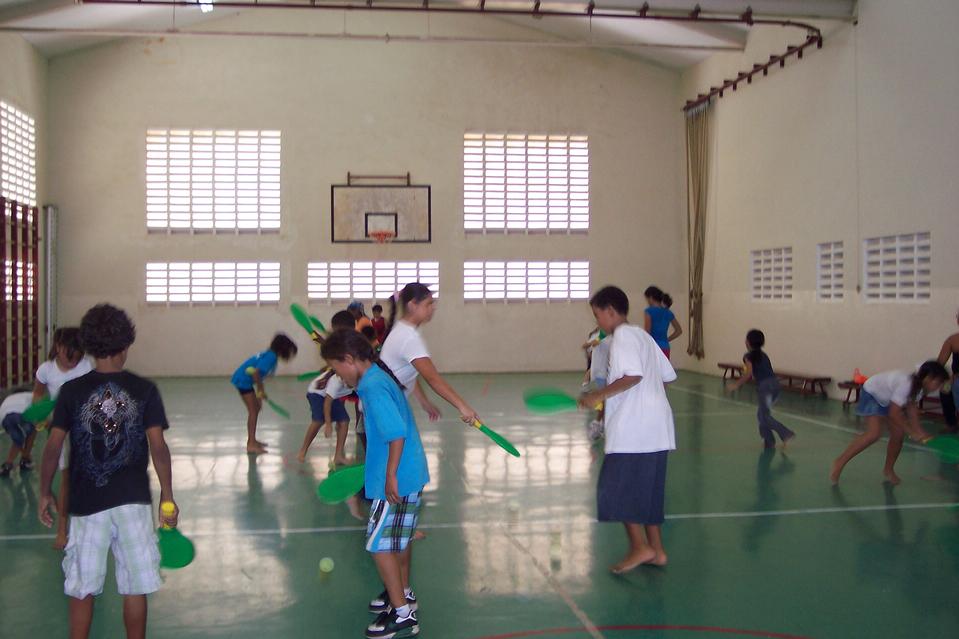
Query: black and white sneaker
x=388, y=626
x=381, y=603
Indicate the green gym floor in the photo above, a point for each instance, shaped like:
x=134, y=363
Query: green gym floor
x=760, y=544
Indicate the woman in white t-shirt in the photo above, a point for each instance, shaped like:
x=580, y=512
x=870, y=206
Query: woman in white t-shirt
x=405, y=353
x=639, y=431
x=64, y=363
x=892, y=397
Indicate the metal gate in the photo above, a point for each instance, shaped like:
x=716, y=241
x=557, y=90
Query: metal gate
x=20, y=342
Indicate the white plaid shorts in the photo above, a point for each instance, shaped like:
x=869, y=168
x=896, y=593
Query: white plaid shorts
x=391, y=526
x=128, y=532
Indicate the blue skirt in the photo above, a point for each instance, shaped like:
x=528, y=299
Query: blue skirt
x=632, y=488
x=869, y=406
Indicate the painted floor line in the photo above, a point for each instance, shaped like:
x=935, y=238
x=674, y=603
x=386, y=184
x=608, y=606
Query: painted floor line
x=745, y=514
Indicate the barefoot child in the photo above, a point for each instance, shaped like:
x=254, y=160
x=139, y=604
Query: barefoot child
x=115, y=421
x=20, y=431
x=639, y=431
x=891, y=397
x=756, y=365
x=325, y=395
x=244, y=379
x=396, y=473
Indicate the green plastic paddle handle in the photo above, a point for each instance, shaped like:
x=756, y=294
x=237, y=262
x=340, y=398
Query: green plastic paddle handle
x=282, y=412
x=500, y=441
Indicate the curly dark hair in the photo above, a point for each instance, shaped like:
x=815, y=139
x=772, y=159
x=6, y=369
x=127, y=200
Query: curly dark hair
x=610, y=297
x=106, y=330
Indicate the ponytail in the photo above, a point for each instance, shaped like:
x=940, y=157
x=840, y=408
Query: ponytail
x=654, y=293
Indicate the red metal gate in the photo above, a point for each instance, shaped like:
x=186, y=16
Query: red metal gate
x=20, y=312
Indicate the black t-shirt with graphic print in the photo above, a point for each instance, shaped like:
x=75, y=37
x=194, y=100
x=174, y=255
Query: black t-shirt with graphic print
x=106, y=416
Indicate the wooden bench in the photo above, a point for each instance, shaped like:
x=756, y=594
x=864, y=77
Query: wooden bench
x=850, y=387
x=931, y=407
x=799, y=382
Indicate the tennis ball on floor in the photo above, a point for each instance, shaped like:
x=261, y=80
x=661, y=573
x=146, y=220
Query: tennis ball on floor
x=326, y=565
x=512, y=506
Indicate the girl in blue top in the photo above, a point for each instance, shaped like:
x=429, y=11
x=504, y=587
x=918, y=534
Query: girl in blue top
x=250, y=374
x=658, y=318
x=396, y=473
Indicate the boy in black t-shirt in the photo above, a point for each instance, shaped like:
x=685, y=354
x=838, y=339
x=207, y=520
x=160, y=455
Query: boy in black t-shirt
x=756, y=366
x=114, y=420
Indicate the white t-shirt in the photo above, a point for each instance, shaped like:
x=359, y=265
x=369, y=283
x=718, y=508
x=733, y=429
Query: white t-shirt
x=15, y=403
x=890, y=387
x=50, y=374
x=599, y=364
x=639, y=420
x=403, y=345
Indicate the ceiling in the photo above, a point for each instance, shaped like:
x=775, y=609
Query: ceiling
x=56, y=27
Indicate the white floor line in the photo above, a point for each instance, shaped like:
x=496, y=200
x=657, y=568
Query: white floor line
x=550, y=523
x=791, y=415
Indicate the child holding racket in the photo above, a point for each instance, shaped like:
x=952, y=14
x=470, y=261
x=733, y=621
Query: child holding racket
x=115, y=421
x=639, y=431
x=405, y=352
x=250, y=374
x=395, y=474
x=892, y=397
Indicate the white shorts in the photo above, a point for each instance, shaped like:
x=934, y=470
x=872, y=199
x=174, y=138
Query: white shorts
x=128, y=532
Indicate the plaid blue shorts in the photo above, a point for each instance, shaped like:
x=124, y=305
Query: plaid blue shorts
x=391, y=526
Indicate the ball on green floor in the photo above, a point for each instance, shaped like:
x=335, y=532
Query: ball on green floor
x=326, y=565
x=512, y=506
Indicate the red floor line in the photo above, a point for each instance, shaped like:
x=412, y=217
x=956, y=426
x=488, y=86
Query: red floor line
x=715, y=629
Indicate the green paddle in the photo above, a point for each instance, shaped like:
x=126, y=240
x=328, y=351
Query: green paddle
x=39, y=411
x=303, y=319
x=549, y=400
x=279, y=410
x=947, y=447
x=176, y=551
x=317, y=324
x=342, y=484
x=501, y=441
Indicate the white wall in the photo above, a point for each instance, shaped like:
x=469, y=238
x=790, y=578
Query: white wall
x=23, y=84
x=857, y=140
x=367, y=108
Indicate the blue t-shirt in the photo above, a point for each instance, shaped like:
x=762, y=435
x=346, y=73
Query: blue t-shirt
x=388, y=418
x=264, y=362
x=661, y=318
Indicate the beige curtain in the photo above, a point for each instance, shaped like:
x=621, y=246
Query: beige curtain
x=697, y=182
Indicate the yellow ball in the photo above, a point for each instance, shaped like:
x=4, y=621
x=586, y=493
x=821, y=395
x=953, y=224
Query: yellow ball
x=326, y=565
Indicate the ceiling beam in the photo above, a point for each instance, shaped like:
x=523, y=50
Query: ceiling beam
x=32, y=9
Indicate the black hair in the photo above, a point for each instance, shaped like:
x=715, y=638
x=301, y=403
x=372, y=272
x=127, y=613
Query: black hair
x=69, y=338
x=342, y=319
x=283, y=346
x=610, y=296
x=755, y=339
x=412, y=292
x=667, y=300
x=931, y=369
x=106, y=330
x=343, y=342
x=654, y=293
x=377, y=307
x=368, y=333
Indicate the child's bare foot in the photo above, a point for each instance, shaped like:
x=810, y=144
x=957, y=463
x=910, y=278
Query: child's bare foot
x=301, y=456
x=263, y=444
x=892, y=477
x=60, y=542
x=353, y=503
x=256, y=448
x=341, y=461
x=419, y=535
x=788, y=439
x=834, y=472
x=659, y=560
x=633, y=559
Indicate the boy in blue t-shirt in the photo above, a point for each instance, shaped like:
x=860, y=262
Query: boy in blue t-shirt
x=250, y=374
x=396, y=472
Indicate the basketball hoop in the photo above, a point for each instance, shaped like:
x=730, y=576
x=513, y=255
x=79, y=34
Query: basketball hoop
x=382, y=237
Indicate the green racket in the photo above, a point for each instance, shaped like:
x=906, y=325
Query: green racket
x=279, y=410
x=342, y=484
x=305, y=376
x=39, y=411
x=549, y=400
x=176, y=551
x=501, y=441
x=946, y=446
x=317, y=324
x=302, y=318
